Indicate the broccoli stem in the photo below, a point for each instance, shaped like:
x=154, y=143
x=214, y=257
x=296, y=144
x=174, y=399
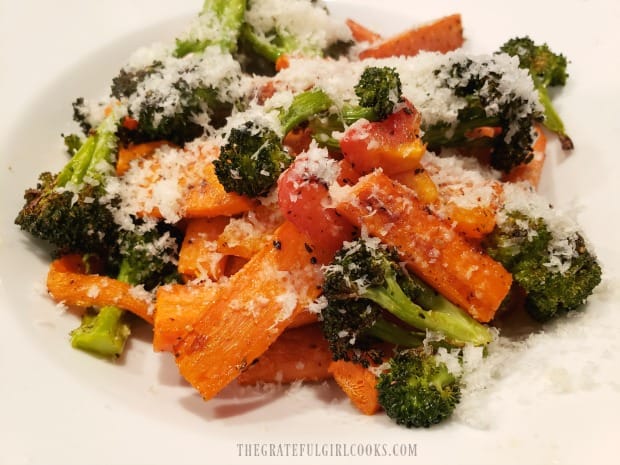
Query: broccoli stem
x=103, y=334
x=552, y=120
x=443, y=317
x=229, y=16
x=304, y=106
x=394, y=334
x=94, y=157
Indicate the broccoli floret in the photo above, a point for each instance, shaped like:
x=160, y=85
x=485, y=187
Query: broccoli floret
x=73, y=143
x=365, y=280
x=174, y=98
x=66, y=209
x=147, y=257
x=218, y=23
x=270, y=38
x=548, y=69
x=488, y=101
x=304, y=106
x=379, y=89
x=354, y=328
x=417, y=390
x=169, y=101
x=555, y=282
x=251, y=161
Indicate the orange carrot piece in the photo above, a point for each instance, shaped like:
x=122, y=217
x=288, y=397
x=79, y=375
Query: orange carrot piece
x=298, y=140
x=234, y=265
x=126, y=154
x=532, y=171
x=300, y=354
x=304, y=318
x=443, y=35
x=68, y=283
x=282, y=62
x=362, y=33
x=207, y=198
x=251, y=310
x=246, y=235
x=428, y=245
x=177, y=308
x=198, y=256
x=358, y=383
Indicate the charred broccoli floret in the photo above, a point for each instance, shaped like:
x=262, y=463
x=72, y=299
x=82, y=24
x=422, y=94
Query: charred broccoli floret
x=548, y=69
x=251, y=161
x=418, y=390
x=378, y=90
x=171, y=101
x=66, y=209
x=555, y=268
x=366, y=284
x=147, y=257
x=488, y=100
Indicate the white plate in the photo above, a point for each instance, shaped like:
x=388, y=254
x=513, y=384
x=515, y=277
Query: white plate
x=554, y=402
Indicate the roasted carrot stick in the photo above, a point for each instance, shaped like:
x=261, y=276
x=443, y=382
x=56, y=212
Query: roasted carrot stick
x=358, y=383
x=300, y=354
x=443, y=35
x=177, y=308
x=250, y=311
x=198, y=256
x=362, y=33
x=427, y=244
x=67, y=283
x=126, y=154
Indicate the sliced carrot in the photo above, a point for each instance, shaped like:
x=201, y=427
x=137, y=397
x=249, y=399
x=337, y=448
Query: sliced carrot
x=303, y=318
x=532, y=171
x=207, y=198
x=300, y=354
x=234, y=265
x=246, y=235
x=198, y=256
x=177, y=308
x=68, y=283
x=126, y=154
x=251, y=310
x=362, y=33
x=282, y=62
x=358, y=383
x=427, y=244
x=443, y=35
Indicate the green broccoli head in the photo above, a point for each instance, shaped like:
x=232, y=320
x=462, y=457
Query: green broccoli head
x=379, y=88
x=370, y=294
x=147, y=255
x=488, y=100
x=554, y=283
x=251, y=161
x=71, y=222
x=548, y=68
x=418, y=390
x=69, y=209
